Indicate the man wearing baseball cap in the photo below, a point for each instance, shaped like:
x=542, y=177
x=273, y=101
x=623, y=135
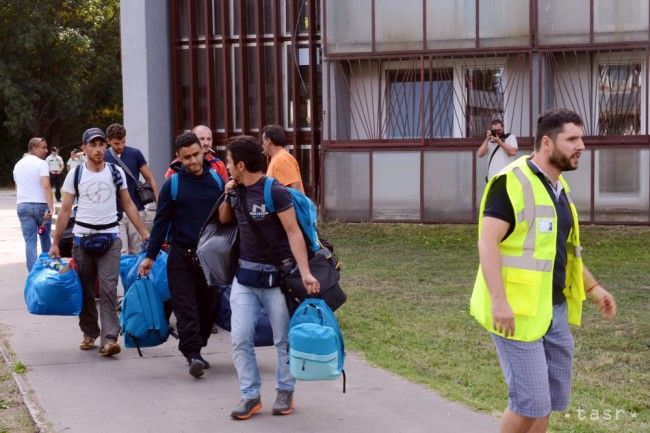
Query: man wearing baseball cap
x=97, y=185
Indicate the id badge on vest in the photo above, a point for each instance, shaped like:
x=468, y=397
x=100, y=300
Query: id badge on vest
x=545, y=225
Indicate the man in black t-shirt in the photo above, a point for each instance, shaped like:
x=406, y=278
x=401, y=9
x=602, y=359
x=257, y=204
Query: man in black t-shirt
x=268, y=241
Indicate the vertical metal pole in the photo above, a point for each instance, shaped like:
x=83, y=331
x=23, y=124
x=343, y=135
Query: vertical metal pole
x=209, y=31
x=227, y=75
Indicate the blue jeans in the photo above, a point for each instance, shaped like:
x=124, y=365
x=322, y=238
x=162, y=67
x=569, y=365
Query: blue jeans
x=31, y=216
x=245, y=303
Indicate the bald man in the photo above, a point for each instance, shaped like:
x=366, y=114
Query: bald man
x=205, y=137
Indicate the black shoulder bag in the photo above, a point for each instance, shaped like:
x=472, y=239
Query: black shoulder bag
x=322, y=266
x=144, y=189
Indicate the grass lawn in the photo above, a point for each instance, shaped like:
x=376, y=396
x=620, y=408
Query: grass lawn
x=14, y=417
x=408, y=288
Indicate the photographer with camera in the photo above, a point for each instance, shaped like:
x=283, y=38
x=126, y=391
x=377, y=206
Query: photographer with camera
x=500, y=147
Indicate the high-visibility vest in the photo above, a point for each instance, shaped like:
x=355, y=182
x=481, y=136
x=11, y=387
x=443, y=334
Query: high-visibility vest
x=528, y=256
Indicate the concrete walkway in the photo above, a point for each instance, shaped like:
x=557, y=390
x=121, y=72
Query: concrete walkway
x=80, y=392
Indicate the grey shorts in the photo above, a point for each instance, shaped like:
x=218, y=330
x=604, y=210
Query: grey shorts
x=538, y=373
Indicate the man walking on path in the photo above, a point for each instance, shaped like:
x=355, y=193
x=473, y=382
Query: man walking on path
x=204, y=135
x=185, y=203
x=499, y=146
x=56, y=165
x=531, y=280
x=34, y=198
x=283, y=165
x=256, y=282
x=97, y=185
x=118, y=152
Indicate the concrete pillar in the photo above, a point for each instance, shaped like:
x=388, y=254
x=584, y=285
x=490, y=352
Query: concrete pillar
x=146, y=80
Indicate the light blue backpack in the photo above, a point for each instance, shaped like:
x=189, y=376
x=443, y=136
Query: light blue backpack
x=143, y=318
x=316, y=350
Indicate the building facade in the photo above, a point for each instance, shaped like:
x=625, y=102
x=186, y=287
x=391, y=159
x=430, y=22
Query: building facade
x=387, y=101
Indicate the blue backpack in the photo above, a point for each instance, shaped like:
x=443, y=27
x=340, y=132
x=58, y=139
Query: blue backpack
x=306, y=213
x=316, y=350
x=142, y=318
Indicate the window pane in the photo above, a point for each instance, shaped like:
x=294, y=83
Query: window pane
x=349, y=26
x=485, y=100
x=234, y=17
x=563, y=21
x=253, y=87
x=183, y=19
x=451, y=23
x=448, y=186
x=216, y=18
x=199, y=18
x=251, y=27
x=622, y=185
x=396, y=197
x=619, y=99
x=618, y=21
x=347, y=185
x=409, y=97
x=305, y=173
x=202, y=88
x=504, y=23
x=186, y=83
x=267, y=17
x=391, y=31
x=270, y=97
x=236, y=81
x=217, y=86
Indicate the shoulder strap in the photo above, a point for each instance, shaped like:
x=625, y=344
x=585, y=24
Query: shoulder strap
x=77, y=178
x=217, y=178
x=117, y=177
x=121, y=164
x=268, y=196
x=490, y=161
x=174, y=186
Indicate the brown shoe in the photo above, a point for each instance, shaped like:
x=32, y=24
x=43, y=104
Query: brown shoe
x=110, y=348
x=87, y=343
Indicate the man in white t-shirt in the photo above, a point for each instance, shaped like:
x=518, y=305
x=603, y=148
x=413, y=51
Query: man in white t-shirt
x=76, y=158
x=97, y=185
x=34, y=198
x=55, y=162
x=499, y=147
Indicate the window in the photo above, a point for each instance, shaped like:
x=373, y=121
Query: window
x=485, y=100
x=410, y=94
x=619, y=99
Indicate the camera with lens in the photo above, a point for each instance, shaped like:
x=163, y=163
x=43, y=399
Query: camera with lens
x=493, y=132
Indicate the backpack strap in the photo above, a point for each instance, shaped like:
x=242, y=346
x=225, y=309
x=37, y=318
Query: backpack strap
x=268, y=197
x=77, y=178
x=117, y=181
x=174, y=186
x=174, y=183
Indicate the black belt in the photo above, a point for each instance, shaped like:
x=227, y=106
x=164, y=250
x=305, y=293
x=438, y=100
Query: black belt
x=98, y=226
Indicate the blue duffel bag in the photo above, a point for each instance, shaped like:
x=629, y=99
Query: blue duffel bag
x=53, y=288
x=158, y=273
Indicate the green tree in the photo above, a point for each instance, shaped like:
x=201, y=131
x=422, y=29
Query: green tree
x=59, y=72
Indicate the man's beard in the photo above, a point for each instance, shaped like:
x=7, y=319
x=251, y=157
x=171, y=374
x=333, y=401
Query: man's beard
x=561, y=161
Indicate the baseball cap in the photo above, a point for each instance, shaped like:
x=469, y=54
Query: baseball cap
x=92, y=133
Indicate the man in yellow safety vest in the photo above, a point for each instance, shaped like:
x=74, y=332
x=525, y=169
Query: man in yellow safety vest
x=531, y=280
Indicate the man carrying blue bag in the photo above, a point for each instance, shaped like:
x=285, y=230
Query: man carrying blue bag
x=97, y=186
x=184, y=203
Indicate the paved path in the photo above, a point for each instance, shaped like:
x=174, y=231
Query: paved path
x=81, y=392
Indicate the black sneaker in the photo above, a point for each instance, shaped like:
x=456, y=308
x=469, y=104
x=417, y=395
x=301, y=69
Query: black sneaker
x=206, y=364
x=246, y=408
x=283, y=403
x=196, y=367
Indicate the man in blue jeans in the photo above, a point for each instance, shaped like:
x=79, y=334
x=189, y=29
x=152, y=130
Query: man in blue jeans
x=256, y=282
x=34, y=198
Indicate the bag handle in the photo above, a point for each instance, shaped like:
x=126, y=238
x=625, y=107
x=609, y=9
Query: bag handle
x=123, y=165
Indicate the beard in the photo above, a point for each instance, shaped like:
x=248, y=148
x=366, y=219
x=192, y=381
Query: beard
x=561, y=161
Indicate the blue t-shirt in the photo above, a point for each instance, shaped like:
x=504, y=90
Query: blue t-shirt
x=133, y=159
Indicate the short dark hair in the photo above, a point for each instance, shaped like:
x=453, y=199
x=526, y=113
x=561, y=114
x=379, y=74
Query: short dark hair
x=248, y=150
x=496, y=121
x=54, y=149
x=116, y=131
x=276, y=134
x=551, y=122
x=33, y=143
x=186, y=139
